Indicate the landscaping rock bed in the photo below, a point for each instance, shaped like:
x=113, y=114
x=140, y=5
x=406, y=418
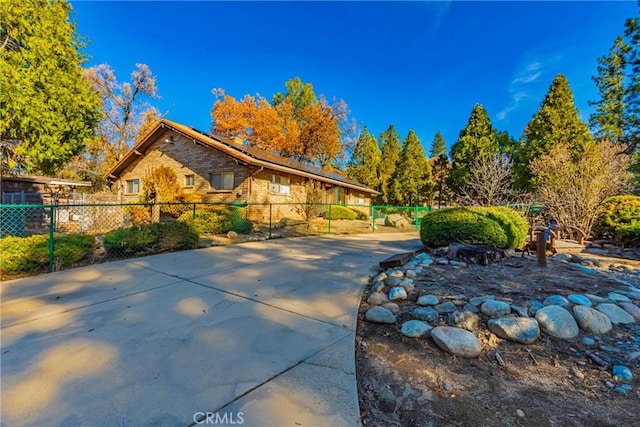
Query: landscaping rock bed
x=505, y=344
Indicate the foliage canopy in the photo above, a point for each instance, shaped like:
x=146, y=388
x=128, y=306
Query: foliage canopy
x=48, y=111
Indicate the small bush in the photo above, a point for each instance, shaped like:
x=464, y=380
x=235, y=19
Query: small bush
x=218, y=220
x=173, y=236
x=513, y=223
x=71, y=248
x=207, y=221
x=185, y=203
x=363, y=216
x=138, y=214
x=30, y=255
x=465, y=225
x=239, y=223
x=339, y=212
x=629, y=235
x=620, y=215
x=129, y=240
x=151, y=238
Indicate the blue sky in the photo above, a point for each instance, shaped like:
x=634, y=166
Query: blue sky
x=417, y=65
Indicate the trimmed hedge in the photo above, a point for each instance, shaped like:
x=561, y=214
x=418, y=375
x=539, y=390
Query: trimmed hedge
x=620, y=220
x=30, y=255
x=151, y=238
x=514, y=224
x=340, y=212
x=499, y=227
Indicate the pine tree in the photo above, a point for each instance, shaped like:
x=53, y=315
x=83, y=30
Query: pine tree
x=617, y=113
x=391, y=150
x=365, y=161
x=556, y=122
x=477, y=139
x=438, y=146
x=48, y=112
x=440, y=167
x=412, y=181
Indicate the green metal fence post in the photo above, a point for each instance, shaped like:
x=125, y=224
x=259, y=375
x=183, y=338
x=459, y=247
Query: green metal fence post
x=270, y=220
x=194, y=211
x=373, y=218
x=416, y=219
x=329, y=227
x=52, y=247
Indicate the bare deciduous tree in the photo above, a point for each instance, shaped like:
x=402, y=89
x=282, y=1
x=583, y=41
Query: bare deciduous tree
x=309, y=203
x=490, y=182
x=572, y=185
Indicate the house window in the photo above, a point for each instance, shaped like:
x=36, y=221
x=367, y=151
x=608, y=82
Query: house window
x=280, y=184
x=133, y=186
x=189, y=180
x=222, y=181
x=359, y=199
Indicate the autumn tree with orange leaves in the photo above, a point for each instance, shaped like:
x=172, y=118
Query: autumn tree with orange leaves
x=296, y=124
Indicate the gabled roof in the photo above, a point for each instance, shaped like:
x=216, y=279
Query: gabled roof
x=244, y=154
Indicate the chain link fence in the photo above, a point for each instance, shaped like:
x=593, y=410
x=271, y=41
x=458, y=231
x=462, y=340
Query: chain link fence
x=42, y=238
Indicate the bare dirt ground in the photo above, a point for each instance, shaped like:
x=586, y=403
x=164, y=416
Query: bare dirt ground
x=411, y=382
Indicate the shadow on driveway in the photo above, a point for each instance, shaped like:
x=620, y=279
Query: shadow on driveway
x=263, y=331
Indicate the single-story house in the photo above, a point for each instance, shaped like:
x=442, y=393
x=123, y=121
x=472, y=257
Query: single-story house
x=226, y=170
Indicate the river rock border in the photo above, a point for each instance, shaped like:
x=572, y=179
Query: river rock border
x=452, y=322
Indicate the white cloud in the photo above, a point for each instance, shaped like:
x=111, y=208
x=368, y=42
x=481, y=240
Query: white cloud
x=516, y=99
x=527, y=78
x=534, y=66
x=528, y=74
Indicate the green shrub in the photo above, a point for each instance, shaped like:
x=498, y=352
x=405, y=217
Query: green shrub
x=629, y=235
x=239, y=223
x=151, y=238
x=339, y=212
x=363, y=216
x=207, y=221
x=443, y=226
x=513, y=223
x=30, y=255
x=619, y=212
x=128, y=240
x=218, y=220
x=71, y=248
x=173, y=236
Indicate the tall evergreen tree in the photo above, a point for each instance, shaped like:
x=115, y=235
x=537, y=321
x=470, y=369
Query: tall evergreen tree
x=48, y=111
x=556, y=122
x=440, y=167
x=477, y=139
x=438, y=146
x=617, y=113
x=391, y=150
x=412, y=181
x=506, y=143
x=365, y=161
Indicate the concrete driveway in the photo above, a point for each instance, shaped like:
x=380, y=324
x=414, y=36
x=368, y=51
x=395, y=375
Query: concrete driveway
x=255, y=334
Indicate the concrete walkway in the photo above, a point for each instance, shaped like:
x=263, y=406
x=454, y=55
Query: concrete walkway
x=255, y=334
